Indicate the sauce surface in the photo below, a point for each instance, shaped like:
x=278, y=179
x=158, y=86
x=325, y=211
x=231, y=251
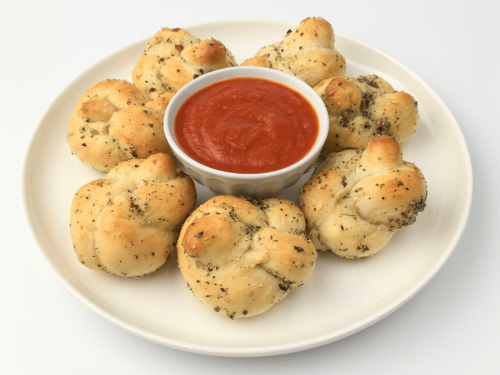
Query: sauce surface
x=246, y=125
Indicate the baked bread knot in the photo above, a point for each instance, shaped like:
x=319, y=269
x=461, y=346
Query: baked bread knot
x=358, y=199
x=174, y=58
x=127, y=223
x=240, y=257
x=360, y=109
x=307, y=53
x=114, y=121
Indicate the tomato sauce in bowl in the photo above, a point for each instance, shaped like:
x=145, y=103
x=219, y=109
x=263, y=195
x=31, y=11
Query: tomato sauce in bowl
x=246, y=125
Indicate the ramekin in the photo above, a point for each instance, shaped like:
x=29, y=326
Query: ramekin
x=260, y=184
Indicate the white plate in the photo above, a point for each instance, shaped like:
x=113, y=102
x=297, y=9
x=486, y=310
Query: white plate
x=341, y=298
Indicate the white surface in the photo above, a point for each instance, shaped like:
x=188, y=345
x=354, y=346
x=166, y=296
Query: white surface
x=342, y=297
x=451, y=326
x=263, y=185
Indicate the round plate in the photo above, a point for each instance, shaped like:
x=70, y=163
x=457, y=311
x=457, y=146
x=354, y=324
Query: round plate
x=341, y=298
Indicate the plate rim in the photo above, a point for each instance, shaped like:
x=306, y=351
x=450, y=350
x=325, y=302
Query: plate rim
x=261, y=350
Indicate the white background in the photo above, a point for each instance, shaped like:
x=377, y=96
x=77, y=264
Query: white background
x=450, y=327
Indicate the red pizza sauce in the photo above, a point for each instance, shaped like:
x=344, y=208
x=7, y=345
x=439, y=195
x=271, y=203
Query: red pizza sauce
x=246, y=125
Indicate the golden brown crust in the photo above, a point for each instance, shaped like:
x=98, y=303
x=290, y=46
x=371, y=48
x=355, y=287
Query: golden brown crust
x=174, y=58
x=127, y=223
x=358, y=199
x=359, y=109
x=307, y=53
x=241, y=257
x=114, y=121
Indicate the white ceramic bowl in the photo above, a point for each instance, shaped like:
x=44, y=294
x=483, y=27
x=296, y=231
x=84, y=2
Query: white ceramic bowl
x=261, y=184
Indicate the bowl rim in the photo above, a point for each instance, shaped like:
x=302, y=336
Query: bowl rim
x=252, y=72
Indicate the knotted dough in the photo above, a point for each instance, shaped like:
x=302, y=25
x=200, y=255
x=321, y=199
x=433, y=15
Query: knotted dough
x=114, y=121
x=307, y=53
x=174, y=58
x=359, y=109
x=357, y=199
x=127, y=223
x=241, y=257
